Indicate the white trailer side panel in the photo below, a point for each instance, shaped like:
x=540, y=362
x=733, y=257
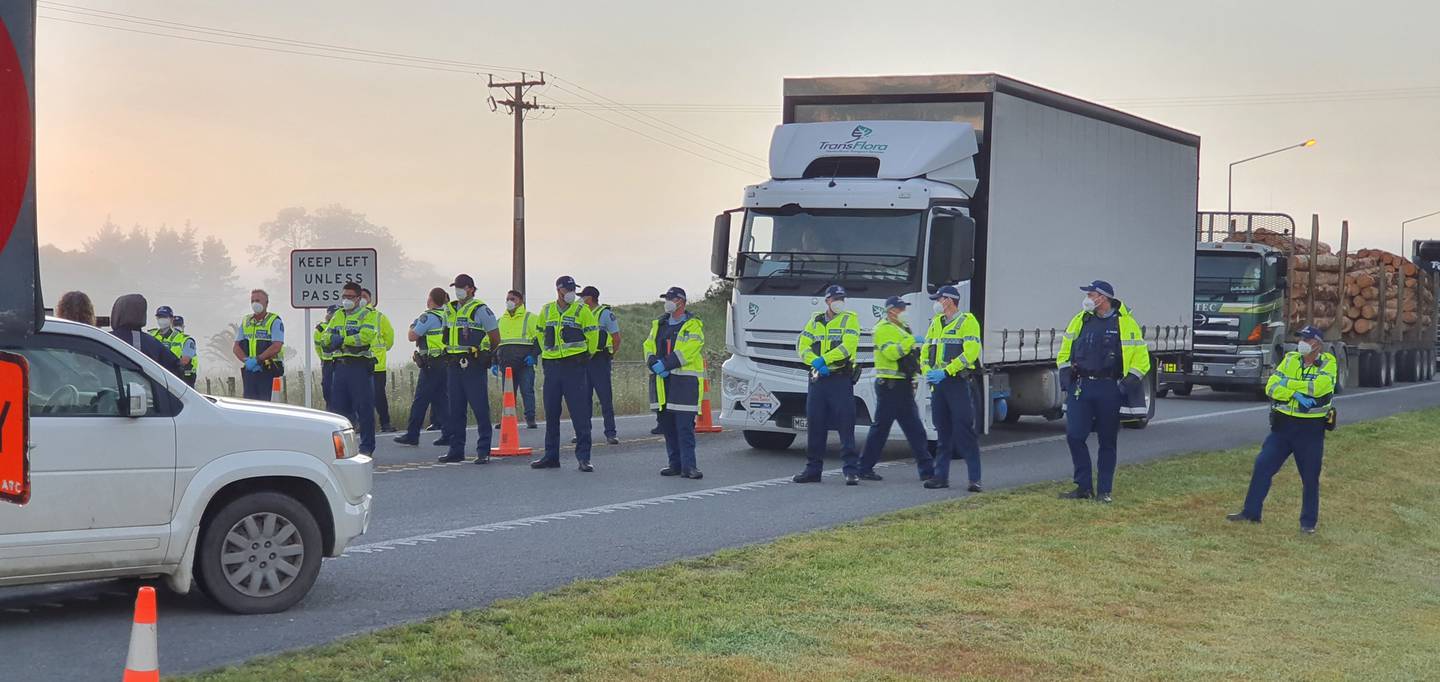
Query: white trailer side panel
x=1074, y=199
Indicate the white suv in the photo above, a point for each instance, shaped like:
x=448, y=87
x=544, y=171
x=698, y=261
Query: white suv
x=135, y=474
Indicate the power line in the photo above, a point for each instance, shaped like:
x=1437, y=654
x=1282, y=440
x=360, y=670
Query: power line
x=746, y=171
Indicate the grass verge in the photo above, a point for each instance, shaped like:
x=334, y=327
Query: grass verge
x=1003, y=585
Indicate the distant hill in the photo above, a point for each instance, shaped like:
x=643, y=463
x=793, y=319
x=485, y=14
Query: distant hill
x=635, y=319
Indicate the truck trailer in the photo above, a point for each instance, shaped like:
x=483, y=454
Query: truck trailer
x=895, y=186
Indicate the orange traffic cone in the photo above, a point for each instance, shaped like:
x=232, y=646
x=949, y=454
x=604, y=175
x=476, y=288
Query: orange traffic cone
x=142, y=664
x=276, y=390
x=509, y=427
x=704, y=423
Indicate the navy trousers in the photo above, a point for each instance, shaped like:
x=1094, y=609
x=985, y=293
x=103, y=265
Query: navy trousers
x=952, y=408
x=327, y=384
x=1304, y=438
x=830, y=405
x=679, y=430
x=354, y=394
x=382, y=401
x=468, y=392
x=895, y=403
x=429, y=391
x=566, y=381
x=1096, y=407
x=256, y=385
x=598, y=371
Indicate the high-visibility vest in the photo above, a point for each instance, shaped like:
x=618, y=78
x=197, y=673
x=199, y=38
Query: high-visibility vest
x=953, y=346
x=568, y=333
x=175, y=341
x=892, y=342
x=384, y=340
x=358, y=330
x=319, y=339
x=1293, y=377
x=461, y=328
x=519, y=328
x=683, y=350
x=433, y=342
x=605, y=343
x=257, y=333
x=836, y=340
x=1134, y=352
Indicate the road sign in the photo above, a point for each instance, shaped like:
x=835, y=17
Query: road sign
x=14, y=429
x=20, y=307
x=317, y=275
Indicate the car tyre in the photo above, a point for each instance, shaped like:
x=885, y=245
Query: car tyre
x=769, y=440
x=266, y=529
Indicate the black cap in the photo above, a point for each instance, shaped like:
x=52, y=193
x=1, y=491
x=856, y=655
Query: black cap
x=164, y=311
x=1310, y=332
x=463, y=280
x=567, y=283
x=835, y=291
x=674, y=293
x=590, y=291
x=1101, y=286
x=896, y=302
x=179, y=321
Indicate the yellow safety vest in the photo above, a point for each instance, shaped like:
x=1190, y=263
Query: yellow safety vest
x=568, y=333
x=358, y=330
x=257, y=334
x=519, y=328
x=836, y=341
x=954, y=346
x=461, y=327
x=175, y=341
x=1293, y=377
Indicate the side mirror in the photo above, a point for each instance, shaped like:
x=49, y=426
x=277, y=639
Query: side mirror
x=137, y=400
x=720, y=247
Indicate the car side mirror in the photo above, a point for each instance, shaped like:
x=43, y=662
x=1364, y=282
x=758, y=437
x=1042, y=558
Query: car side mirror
x=720, y=247
x=137, y=399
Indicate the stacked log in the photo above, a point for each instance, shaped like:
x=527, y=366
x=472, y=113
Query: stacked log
x=1356, y=302
x=1280, y=241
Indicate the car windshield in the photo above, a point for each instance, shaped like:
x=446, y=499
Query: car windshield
x=1229, y=273
x=841, y=246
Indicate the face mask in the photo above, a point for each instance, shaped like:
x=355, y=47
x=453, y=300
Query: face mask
x=837, y=307
x=1088, y=304
x=364, y=301
x=670, y=307
x=347, y=303
x=257, y=306
x=570, y=297
x=1305, y=347
x=510, y=306
x=461, y=294
x=163, y=322
x=937, y=308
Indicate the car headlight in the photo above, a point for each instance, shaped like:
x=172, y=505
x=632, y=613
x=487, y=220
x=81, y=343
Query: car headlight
x=1247, y=363
x=345, y=444
x=736, y=386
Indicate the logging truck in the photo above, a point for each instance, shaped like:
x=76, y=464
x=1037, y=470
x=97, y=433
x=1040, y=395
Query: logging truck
x=1256, y=282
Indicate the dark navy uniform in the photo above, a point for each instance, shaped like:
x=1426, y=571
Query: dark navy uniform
x=1094, y=402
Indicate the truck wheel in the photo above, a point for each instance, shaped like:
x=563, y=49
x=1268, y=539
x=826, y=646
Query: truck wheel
x=1149, y=407
x=1183, y=390
x=1387, y=369
x=260, y=553
x=1370, y=374
x=769, y=440
x=1164, y=391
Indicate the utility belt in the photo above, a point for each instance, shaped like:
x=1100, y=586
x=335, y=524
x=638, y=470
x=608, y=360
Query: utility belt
x=327, y=361
x=474, y=357
x=1111, y=376
x=272, y=367
x=844, y=368
x=894, y=383
x=427, y=361
x=354, y=360
x=1330, y=420
x=576, y=359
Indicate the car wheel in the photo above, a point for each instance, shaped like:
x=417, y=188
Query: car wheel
x=260, y=553
x=1182, y=390
x=769, y=440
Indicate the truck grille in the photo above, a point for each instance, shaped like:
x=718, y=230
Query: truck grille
x=777, y=349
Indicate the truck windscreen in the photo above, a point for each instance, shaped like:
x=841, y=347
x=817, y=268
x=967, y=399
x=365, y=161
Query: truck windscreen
x=1229, y=273
x=844, y=246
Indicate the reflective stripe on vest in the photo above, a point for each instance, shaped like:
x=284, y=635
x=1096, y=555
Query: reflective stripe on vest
x=564, y=334
x=365, y=318
x=604, y=335
x=510, y=336
x=433, y=342
x=459, y=319
x=257, y=334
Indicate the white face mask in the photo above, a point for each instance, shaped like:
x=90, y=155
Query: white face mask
x=510, y=306
x=670, y=307
x=837, y=307
x=163, y=322
x=364, y=301
x=347, y=303
x=1088, y=304
x=937, y=308
x=461, y=294
x=1305, y=347
x=570, y=296
x=257, y=306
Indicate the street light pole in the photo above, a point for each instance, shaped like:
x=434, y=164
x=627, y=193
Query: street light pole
x=1402, y=230
x=1230, y=179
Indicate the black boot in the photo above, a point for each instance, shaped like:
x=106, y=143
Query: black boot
x=1077, y=494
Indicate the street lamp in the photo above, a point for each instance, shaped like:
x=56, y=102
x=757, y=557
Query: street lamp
x=1402, y=230
x=1230, y=179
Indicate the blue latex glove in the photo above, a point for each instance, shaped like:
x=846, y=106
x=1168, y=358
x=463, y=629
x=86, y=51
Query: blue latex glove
x=935, y=376
x=495, y=370
x=252, y=365
x=920, y=338
x=529, y=361
x=1305, y=401
x=820, y=366
x=659, y=368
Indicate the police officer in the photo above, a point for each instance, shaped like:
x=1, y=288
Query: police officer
x=384, y=341
x=599, y=368
x=570, y=335
x=897, y=362
x=828, y=344
x=950, y=358
x=166, y=331
x=471, y=334
x=675, y=353
x=350, y=338
x=427, y=332
x=519, y=351
x=327, y=362
x=258, y=347
x=1301, y=390
x=1102, y=354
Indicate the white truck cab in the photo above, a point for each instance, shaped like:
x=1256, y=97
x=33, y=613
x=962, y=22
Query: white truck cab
x=132, y=473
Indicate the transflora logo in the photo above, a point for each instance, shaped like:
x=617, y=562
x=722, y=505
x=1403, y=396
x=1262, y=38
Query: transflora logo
x=859, y=142
x=754, y=309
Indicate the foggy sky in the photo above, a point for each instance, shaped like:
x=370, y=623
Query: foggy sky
x=152, y=130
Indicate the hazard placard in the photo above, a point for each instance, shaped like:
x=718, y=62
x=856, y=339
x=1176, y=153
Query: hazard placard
x=14, y=429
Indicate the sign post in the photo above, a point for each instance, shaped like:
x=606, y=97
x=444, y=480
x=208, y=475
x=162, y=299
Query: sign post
x=316, y=279
x=20, y=307
x=14, y=429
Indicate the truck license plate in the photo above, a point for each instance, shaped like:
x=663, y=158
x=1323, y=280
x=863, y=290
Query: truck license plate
x=799, y=423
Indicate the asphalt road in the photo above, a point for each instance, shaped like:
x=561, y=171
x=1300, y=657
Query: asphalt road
x=457, y=536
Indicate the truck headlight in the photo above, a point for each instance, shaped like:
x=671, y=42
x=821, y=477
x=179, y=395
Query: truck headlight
x=735, y=386
x=345, y=444
x=1247, y=363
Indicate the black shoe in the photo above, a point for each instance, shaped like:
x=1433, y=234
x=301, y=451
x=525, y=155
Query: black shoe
x=612, y=440
x=433, y=427
x=806, y=477
x=1077, y=494
x=1308, y=530
x=671, y=471
x=656, y=431
x=368, y=453
x=531, y=424
x=926, y=477
x=871, y=476
x=574, y=440
x=696, y=475
x=441, y=442
x=975, y=487
x=545, y=464
x=1240, y=516
x=936, y=483
x=482, y=459
x=497, y=426
x=852, y=479
x=407, y=440
x=1105, y=499
x=585, y=467
x=388, y=428
x=450, y=459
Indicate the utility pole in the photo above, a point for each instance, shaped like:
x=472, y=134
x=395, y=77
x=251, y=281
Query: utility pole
x=517, y=106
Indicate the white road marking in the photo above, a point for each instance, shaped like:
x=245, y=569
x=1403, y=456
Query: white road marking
x=526, y=522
